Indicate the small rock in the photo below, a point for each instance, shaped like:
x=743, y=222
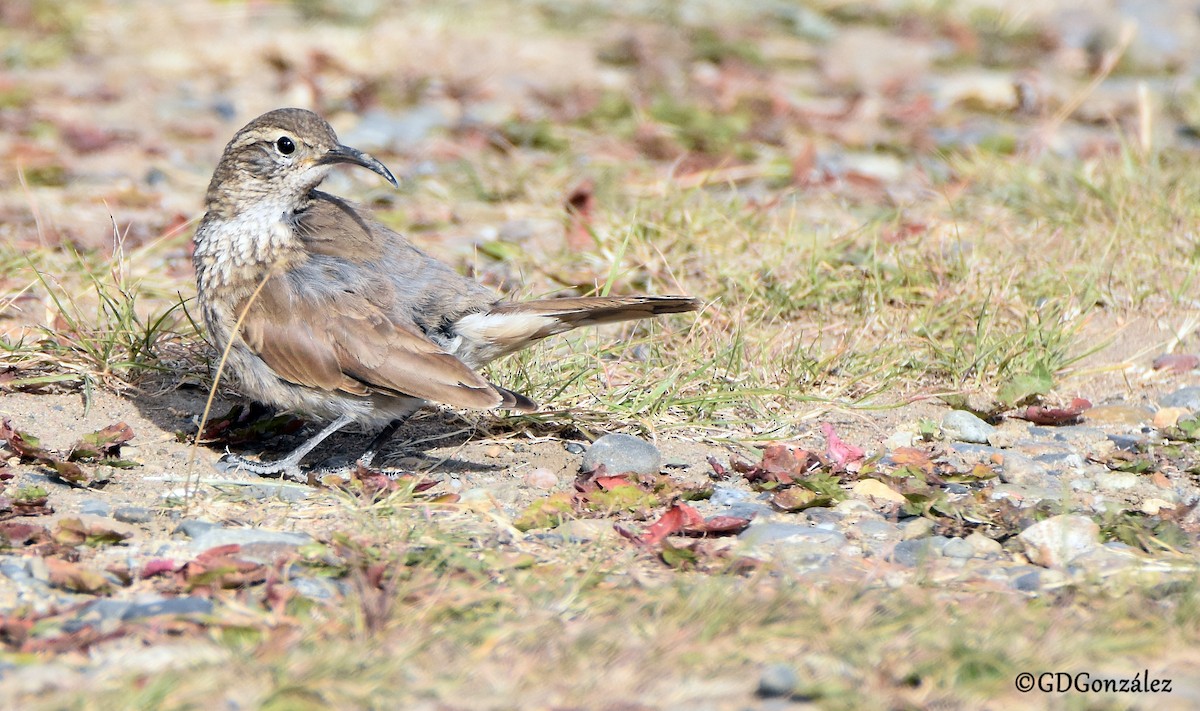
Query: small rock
x=319, y=589
x=1188, y=398
x=94, y=507
x=1019, y=469
x=899, y=440
x=1004, y=439
x=218, y=536
x=133, y=514
x=1128, y=415
x=1169, y=416
x=574, y=448
x=728, y=496
x=916, y=528
x=877, y=490
x=777, y=680
x=1152, y=507
x=876, y=529
x=541, y=478
x=193, y=528
x=1116, y=481
x=916, y=551
x=169, y=606
x=1055, y=542
x=962, y=426
x=1128, y=442
x=853, y=507
x=620, y=453
x=958, y=548
x=983, y=546
x=818, y=515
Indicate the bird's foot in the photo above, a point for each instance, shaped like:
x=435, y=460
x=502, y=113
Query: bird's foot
x=284, y=468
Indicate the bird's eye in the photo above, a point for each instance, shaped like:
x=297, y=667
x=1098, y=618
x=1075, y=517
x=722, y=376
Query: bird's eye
x=285, y=145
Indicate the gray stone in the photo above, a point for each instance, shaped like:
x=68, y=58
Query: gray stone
x=107, y=613
x=876, y=529
x=1188, y=397
x=728, y=496
x=574, y=448
x=962, y=426
x=916, y=551
x=792, y=542
x=193, y=528
x=1020, y=469
x=1129, y=442
x=319, y=589
x=620, y=453
x=218, y=536
x=133, y=514
x=819, y=515
x=1116, y=481
x=958, y=548
x=169, y=606
x=918, y=527
x=94, y=507
x=777, y=680
x=749, y=509
x=1057, y=541
x=983, y=546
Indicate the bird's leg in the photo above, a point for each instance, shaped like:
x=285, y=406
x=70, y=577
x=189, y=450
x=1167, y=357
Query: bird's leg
x=289, y=466
x=380, y=439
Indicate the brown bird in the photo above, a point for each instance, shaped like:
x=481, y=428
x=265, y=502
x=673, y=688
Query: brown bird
x=341, y=317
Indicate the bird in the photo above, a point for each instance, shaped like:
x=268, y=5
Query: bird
x=321, y=310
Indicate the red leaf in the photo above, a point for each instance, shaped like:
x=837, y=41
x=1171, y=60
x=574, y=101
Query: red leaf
x=608, y=483
x=1177, y=362
x=158, y=566
x=717, y=525
x=1055, y=415
x=674, y=520
x=840, y=452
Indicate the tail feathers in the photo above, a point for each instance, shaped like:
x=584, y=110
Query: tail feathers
x=508, y=327
x=515, y=401
x=590, y=311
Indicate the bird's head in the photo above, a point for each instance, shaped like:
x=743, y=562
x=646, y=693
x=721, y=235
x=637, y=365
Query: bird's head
x=279, y=157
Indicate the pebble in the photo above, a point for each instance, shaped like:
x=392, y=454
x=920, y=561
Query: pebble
x=1127, y=415
x=917, y=551
x=1020, y=469
x=791, y=542
x=219, y=536
x=962, y=426
x=1169, y=416
x=877, y=490
x=574, y=448
x=728, y=496
x=1187, y=398
x=133, y=514
x=915, y=528
x=983, y=546
x=541, y=478
x=94, y=507
x=777, y=680
x=958, y=548
x=620, y=453
x=192, y=528
x=1055, y=542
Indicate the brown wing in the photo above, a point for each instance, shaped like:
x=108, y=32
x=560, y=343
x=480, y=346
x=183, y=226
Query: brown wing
x=348, y=344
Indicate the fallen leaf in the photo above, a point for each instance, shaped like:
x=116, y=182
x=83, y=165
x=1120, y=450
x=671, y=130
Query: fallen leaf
x=840, y=452
x=1055, y=415
x=798, y=499
x=75, y=577
x=1177, y=362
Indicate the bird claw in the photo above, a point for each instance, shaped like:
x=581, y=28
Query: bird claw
x=231, y=463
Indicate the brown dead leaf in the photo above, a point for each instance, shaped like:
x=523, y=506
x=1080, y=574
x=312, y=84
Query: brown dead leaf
x=1068, y=415
x=75, y=577
x=1177, y=362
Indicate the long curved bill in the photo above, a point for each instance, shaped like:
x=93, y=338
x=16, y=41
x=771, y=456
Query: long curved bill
x=346, y=154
